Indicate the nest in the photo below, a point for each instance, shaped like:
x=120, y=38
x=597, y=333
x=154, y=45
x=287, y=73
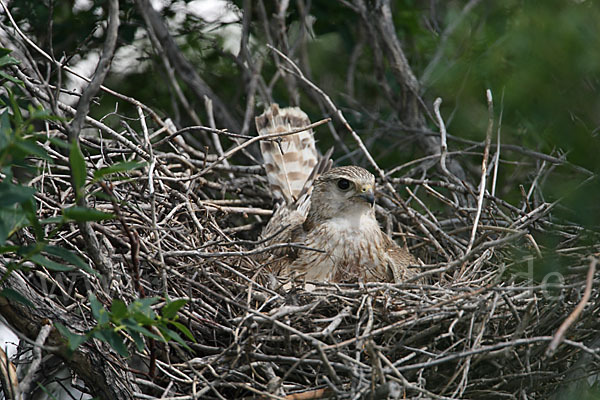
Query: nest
x=483, y=323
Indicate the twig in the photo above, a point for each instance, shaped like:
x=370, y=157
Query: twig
x=562, y=330
x=426, y=77
x=497, y=156
x=247, y=143
x=486, y=154
x=200, y=128
x=260, y=250
x=211, y=121
x=102, y=69
x=25, y=385
x=443, y=142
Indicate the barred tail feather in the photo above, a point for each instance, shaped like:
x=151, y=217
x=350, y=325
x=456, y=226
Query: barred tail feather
x=290, y=161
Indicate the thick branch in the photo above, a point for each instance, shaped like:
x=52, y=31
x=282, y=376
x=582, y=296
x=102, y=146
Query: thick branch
x=184, y=68
x=89, y=362
x=83, y=106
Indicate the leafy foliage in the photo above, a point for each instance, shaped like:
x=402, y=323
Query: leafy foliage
x=137, y=319
x=19, y=144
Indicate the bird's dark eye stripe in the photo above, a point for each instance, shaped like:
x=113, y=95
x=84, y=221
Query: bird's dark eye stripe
x=343, y=184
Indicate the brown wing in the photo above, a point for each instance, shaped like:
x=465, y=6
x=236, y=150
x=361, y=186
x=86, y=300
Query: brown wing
x=399, y=260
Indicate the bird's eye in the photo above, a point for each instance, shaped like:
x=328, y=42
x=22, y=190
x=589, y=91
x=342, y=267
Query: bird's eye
x=343, y=184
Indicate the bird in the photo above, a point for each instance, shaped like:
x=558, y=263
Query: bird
x=327, y=212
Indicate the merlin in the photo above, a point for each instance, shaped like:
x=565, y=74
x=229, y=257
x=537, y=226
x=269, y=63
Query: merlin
x=329, y=211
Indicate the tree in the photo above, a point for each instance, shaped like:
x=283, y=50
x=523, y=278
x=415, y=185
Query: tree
x=131, y=208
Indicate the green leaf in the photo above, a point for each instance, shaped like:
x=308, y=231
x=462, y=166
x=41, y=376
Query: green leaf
x=41, y=113
x=170, y=310
x=146, y=303
x=170, y=334
x=98, y=310
x=117, y=167
x=26, y=250
x=52, y=220
x=17, y=116
x=137, y=339
x=12, y=294
x=118, y=310
x=133, y=326
x=11, y=78
x=5, y=230
x=11, y=220
x=4, y=51
x=184, y=329
x=78, y=169
x=112, y=338
x=144, y=319
x=8, y=249
x=6, y=131
x=8, y=60
x=32, y=148
x=144, y=306
x=51, y=265
x=80, y=214
x=70, y=257
x=30, y=208
x=73, y=340
x=58, y=142
x=14, y=194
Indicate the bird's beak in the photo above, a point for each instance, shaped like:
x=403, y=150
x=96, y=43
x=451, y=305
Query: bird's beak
x=367, y=194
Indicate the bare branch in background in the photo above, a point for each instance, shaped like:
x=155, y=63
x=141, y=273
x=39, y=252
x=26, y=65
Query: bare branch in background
x=410, y=106
x=184, y=68
x=435, y=60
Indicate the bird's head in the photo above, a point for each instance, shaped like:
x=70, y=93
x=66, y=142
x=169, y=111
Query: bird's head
x=342, y=191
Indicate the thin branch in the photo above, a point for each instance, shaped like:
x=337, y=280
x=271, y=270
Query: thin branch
x=435, y=60
x=498, y=142
x=184, y=68
x=255, y=139
x=484, y=162
x=443, y=142
x=562, y=330
x=102, y=68
x=25, y=385
x=259, y=250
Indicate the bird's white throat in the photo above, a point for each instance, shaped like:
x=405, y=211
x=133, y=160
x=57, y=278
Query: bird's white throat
x=353, y=223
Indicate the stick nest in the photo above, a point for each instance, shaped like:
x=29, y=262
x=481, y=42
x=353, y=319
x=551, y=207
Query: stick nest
x=480, y=326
